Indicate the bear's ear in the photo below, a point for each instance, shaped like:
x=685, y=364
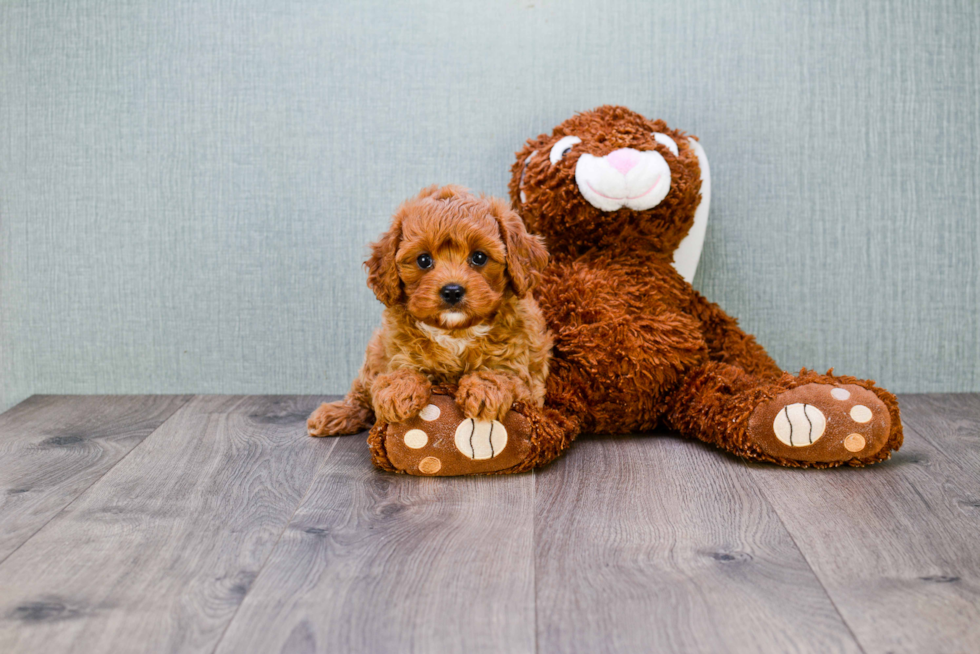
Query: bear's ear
x=382, y=269
x=526, y=254
x=519, y=169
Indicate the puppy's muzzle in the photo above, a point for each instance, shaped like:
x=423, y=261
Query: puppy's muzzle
x=452, y=294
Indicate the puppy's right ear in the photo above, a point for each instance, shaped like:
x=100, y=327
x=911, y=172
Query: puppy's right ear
x=382, y=270
x=526, y=254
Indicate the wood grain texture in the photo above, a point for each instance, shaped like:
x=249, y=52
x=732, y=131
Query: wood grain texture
x=376, y=562
x=227, y=529
x=950, y=423
x=659, y=544
x=54, y=447
x=158, y=554
x=895, y=545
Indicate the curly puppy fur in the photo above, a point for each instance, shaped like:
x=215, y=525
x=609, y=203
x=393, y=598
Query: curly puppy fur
x=454, y=272
x=636, y=347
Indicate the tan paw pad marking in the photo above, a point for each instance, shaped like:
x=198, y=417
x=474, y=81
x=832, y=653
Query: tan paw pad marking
x=429, y=413
x=854, y=443
x=860, y=413
x=840, y=393
x=416, y=439
x=430, y=465
x=481, y=439
x=799, y=424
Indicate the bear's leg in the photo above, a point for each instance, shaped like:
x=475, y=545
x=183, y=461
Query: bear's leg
x=804, y=420
x=442, y=442
x=729, y=343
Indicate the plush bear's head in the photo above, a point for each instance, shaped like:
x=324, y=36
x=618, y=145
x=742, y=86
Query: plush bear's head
x=608, y=177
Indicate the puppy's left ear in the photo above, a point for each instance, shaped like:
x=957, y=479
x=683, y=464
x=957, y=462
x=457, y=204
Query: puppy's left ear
x=526, y=254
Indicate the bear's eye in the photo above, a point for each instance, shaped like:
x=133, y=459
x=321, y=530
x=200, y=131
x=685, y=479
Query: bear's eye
x=563, y=147
x=424, y=261
x=478, y=258
x=665, y=140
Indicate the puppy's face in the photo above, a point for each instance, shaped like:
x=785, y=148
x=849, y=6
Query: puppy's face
x=452, y=258
x=453, y=272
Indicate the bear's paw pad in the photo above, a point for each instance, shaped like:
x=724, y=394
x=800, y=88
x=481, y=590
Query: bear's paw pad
x=821, y=423
x=441, y=441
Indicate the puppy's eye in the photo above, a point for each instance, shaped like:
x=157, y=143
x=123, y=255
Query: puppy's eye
x=424, y=261
x=478, y=258
x=563, y=147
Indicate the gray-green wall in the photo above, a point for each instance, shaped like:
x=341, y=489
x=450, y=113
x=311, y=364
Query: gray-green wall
x=187, y=187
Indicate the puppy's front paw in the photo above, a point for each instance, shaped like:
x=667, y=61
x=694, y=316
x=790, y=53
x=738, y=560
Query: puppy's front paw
x=485, y=395
x=400, y=395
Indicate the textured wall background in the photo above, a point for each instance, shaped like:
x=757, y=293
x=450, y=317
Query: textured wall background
x=187, y=188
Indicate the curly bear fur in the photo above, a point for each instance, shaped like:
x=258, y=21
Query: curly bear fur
x=635, y=346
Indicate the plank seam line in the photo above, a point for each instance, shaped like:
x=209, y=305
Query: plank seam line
x=275, y=545
x=100, y=478
x=775, y=510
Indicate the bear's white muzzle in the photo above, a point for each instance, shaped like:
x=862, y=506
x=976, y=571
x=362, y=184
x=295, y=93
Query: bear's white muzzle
x=623, y=178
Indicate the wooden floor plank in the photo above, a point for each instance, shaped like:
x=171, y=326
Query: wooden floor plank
x=185, y=540
x=376, y=562
x=158, y=554
x=54, y=447
x=649, y=544
x=949, y=422
x=896, y=544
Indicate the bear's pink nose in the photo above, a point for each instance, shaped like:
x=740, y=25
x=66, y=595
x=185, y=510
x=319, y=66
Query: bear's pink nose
x=623, y=159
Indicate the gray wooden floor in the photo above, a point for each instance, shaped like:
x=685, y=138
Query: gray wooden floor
x=203, y=524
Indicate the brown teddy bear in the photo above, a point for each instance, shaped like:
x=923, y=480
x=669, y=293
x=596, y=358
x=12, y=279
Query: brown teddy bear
x=636, y=348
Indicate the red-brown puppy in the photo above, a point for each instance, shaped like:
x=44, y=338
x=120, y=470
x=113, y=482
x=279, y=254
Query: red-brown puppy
x=454, y=273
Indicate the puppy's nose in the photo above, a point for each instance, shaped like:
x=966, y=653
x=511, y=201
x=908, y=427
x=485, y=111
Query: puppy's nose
x=452, y=293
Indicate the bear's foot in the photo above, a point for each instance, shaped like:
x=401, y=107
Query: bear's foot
x=442, y=442
x=821, y=423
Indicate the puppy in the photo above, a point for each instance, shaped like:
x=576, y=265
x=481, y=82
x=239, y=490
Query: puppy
x=454, y=273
